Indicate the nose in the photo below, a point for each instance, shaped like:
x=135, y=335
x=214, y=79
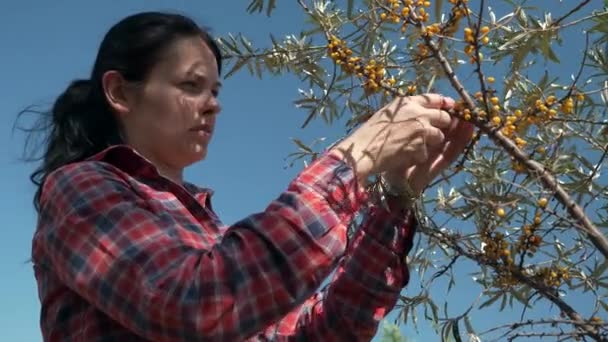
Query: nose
x=211, y=105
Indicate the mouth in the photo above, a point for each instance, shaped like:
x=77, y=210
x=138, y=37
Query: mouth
x=203, y=128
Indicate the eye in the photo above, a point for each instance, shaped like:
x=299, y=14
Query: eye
x=190, y=86
x=215, y=92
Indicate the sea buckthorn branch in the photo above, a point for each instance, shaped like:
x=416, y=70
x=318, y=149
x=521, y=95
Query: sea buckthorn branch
x=548, y=180
x=541, y=280
x=497, y=255
x=531, y=323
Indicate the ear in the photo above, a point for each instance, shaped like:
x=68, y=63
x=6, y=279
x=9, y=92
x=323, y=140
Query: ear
x=115, y=90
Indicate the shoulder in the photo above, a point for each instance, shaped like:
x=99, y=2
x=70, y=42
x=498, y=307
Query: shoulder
x=114, y=165
x=86, y=179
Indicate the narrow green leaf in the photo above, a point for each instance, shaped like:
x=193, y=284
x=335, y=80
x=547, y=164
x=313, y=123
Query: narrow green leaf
x=600, y=270
x=456, y=332
x=238, y=65
x=468, y=325
x=310, y=116
x=520, y=297
x=302, y=145
x=490, y=301
x=230, y=46
x=255, y=6
x=435, y=310
x=445, y=331
x=271, y=6
x=258, y=68
x=429, y=87
x=544, y=80
x=274, y=41
x=246, y=44
x=438, y=6
x=503, y=303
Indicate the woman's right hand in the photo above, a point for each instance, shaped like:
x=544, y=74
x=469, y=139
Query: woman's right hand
x=397, y=136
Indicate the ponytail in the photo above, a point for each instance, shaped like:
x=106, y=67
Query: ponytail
x=78, y=126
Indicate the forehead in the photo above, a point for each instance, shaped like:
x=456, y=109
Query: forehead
x=191, y=54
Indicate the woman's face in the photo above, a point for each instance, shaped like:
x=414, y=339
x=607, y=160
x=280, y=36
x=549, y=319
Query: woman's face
x=172, y=117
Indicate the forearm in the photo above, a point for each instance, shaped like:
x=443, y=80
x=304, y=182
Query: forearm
x=364, y=288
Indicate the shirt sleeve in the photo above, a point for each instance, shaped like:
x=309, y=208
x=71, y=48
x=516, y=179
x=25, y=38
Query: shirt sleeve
x=365, y=287
x=103, y=241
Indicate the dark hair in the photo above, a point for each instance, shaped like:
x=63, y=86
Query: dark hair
x=80, y=123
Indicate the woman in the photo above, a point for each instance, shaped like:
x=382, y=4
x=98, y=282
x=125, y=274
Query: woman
x=126, y=250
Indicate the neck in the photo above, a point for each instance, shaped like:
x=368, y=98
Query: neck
x=177, y=176
x=164, y=169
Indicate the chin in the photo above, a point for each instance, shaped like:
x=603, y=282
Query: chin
x=189, y=153
x=196, y=154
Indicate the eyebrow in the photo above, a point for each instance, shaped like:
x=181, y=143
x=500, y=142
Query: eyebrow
x=201, y=76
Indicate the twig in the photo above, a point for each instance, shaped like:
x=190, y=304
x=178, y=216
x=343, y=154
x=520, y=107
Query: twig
x=580, y=70
x=597, y=167
x=327, y=92
x=590, y=122
x=517, y=325
x=544, y=334
x=445, y=269
x=572, y=11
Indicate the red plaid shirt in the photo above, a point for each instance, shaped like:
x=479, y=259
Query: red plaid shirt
x=122, y=253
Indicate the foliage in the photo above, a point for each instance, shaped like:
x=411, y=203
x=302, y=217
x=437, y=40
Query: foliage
x=526, y=207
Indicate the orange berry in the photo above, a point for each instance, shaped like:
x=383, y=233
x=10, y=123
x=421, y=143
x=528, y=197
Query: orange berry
x=500, y=212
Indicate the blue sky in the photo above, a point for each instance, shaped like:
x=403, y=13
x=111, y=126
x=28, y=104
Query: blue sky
x=47, y=44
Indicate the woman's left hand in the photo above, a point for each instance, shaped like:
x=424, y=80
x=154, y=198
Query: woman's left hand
x=457, y=137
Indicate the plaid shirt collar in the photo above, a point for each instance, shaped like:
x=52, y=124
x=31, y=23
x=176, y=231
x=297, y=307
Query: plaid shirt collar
x=133, y=163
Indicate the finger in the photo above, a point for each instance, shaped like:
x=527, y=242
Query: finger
x=453, y=125
x=439, y=118
x=432, y=100
x=421, y=174
x=434, y=137
x=455, y=146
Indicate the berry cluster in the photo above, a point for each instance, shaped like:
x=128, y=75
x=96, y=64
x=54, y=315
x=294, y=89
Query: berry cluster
x=469, y=38
x=457, y=13
x=552, y=276
x=496, y=247
x=372, y=73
